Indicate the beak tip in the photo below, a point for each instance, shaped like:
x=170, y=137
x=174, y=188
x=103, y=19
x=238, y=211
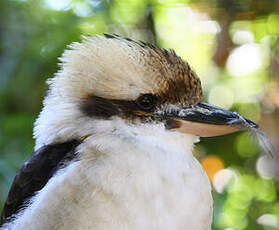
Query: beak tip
x=252, y=124
x=243, y=123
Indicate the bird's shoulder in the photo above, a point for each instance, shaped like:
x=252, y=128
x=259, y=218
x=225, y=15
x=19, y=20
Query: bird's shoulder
x=35, y=173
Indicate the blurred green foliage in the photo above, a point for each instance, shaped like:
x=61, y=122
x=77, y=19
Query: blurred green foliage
x=232, y=45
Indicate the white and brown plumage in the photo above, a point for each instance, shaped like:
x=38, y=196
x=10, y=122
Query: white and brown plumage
x=114, y=144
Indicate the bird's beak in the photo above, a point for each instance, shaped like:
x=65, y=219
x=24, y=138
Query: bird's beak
x=206, y=120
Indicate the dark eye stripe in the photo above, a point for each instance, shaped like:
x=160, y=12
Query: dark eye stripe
x=99, y=107
x=94, y=106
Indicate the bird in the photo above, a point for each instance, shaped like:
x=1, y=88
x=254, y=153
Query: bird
x=114, y=143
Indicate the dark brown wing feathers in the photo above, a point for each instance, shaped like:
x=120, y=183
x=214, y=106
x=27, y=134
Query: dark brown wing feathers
x=35, y=173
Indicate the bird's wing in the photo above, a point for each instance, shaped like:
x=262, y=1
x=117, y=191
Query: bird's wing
x=35, y=173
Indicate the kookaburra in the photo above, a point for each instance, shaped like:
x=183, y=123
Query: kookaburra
x=114, y=144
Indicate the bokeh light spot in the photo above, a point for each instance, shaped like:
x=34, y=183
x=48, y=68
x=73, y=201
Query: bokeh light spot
x=244, y=60
x=268, y=220
x=266, y=166
x=58, y=5
x=211, y=165
x=222, y=179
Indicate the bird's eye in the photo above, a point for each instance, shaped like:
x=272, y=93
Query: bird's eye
x=146, y=102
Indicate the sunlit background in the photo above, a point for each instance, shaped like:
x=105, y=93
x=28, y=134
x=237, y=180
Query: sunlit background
x=233, y=45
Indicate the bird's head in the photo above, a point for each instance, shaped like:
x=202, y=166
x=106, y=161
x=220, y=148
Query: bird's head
x=113, y=78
